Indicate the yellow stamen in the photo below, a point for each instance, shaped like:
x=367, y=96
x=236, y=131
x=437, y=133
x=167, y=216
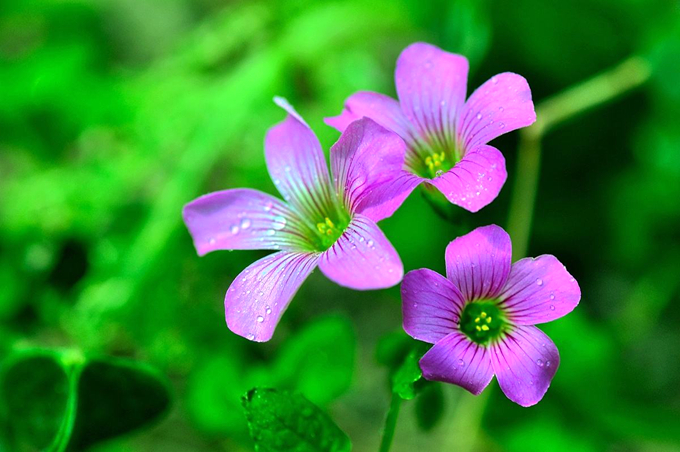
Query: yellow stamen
x=434, y=161
x=485, y=328
x=479, y=328
x=477, y=320
x=488, y=320
x=483, y=315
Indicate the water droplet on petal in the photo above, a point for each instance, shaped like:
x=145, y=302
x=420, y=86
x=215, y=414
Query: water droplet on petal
x=250, y=337
x=268, y=310
x=539, y=281
x=461, y=363
x=501, y=125
x=234, y=229
x=212, y=240
x=279, y=223
x=370, y=243
x=245, y=223
x=268, y=206
x=547, y=364
x=552, y=307
x=539, y=362
x=494, y=80
x=271, y=232
x=438, y=173
x=552, y=295
x=260, y=319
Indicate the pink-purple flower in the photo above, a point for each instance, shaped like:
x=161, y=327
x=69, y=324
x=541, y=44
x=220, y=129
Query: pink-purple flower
x=326, y=222
x=481, y=317
x=447, y=137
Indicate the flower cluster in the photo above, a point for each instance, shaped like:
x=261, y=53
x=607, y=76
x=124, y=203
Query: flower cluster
x=480, y=317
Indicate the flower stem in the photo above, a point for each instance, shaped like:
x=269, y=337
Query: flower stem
x=550, y=113
x=390, y=423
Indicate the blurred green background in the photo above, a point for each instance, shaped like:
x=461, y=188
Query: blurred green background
x=115, y=113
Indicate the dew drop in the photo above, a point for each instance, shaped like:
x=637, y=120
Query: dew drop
x=279, y=223
x=461, y=363
x=234, y=229
x=250, y=337
x=268, y=206
x=552, y=296
x=212, y=240
x=494, y=80
x=539, y=281
x=479, y=116
x=539, y=362
x=268, y=310
x=501, y=108
x=501, y=125
x=271, y=232
x=361, y=239
x=438, y=173
x=260, y=319
x=552, y=307
x=547, y=364
x=370, y=243
x=245, y=223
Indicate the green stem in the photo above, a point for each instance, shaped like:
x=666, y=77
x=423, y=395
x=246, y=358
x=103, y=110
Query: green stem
x=550, y=113
x=390, y=423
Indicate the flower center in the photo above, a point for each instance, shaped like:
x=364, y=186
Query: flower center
x=435, y=164
x=433, y=159
x=482, y=321
x=328, y=231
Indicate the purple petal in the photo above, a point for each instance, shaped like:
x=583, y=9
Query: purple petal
x=431, y=84
x=243, y=219
x=362, y=258
x=382, y=200
x=539, y=290
x=366, y=162
x=431, y=305
x=297, y=165
x=382, y=109
x=478, y=263
x=525, y=361
x=476, y=180
x=258, y=296
x=456, y=359
x=500, y=105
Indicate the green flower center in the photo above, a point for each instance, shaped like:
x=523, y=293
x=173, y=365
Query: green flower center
x=329, y=230
x=482, y=321
x=435, y=158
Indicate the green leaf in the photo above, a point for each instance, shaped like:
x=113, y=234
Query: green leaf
x=430, y=406
x=57, y=401
x=286, y=421
x=407, y=380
